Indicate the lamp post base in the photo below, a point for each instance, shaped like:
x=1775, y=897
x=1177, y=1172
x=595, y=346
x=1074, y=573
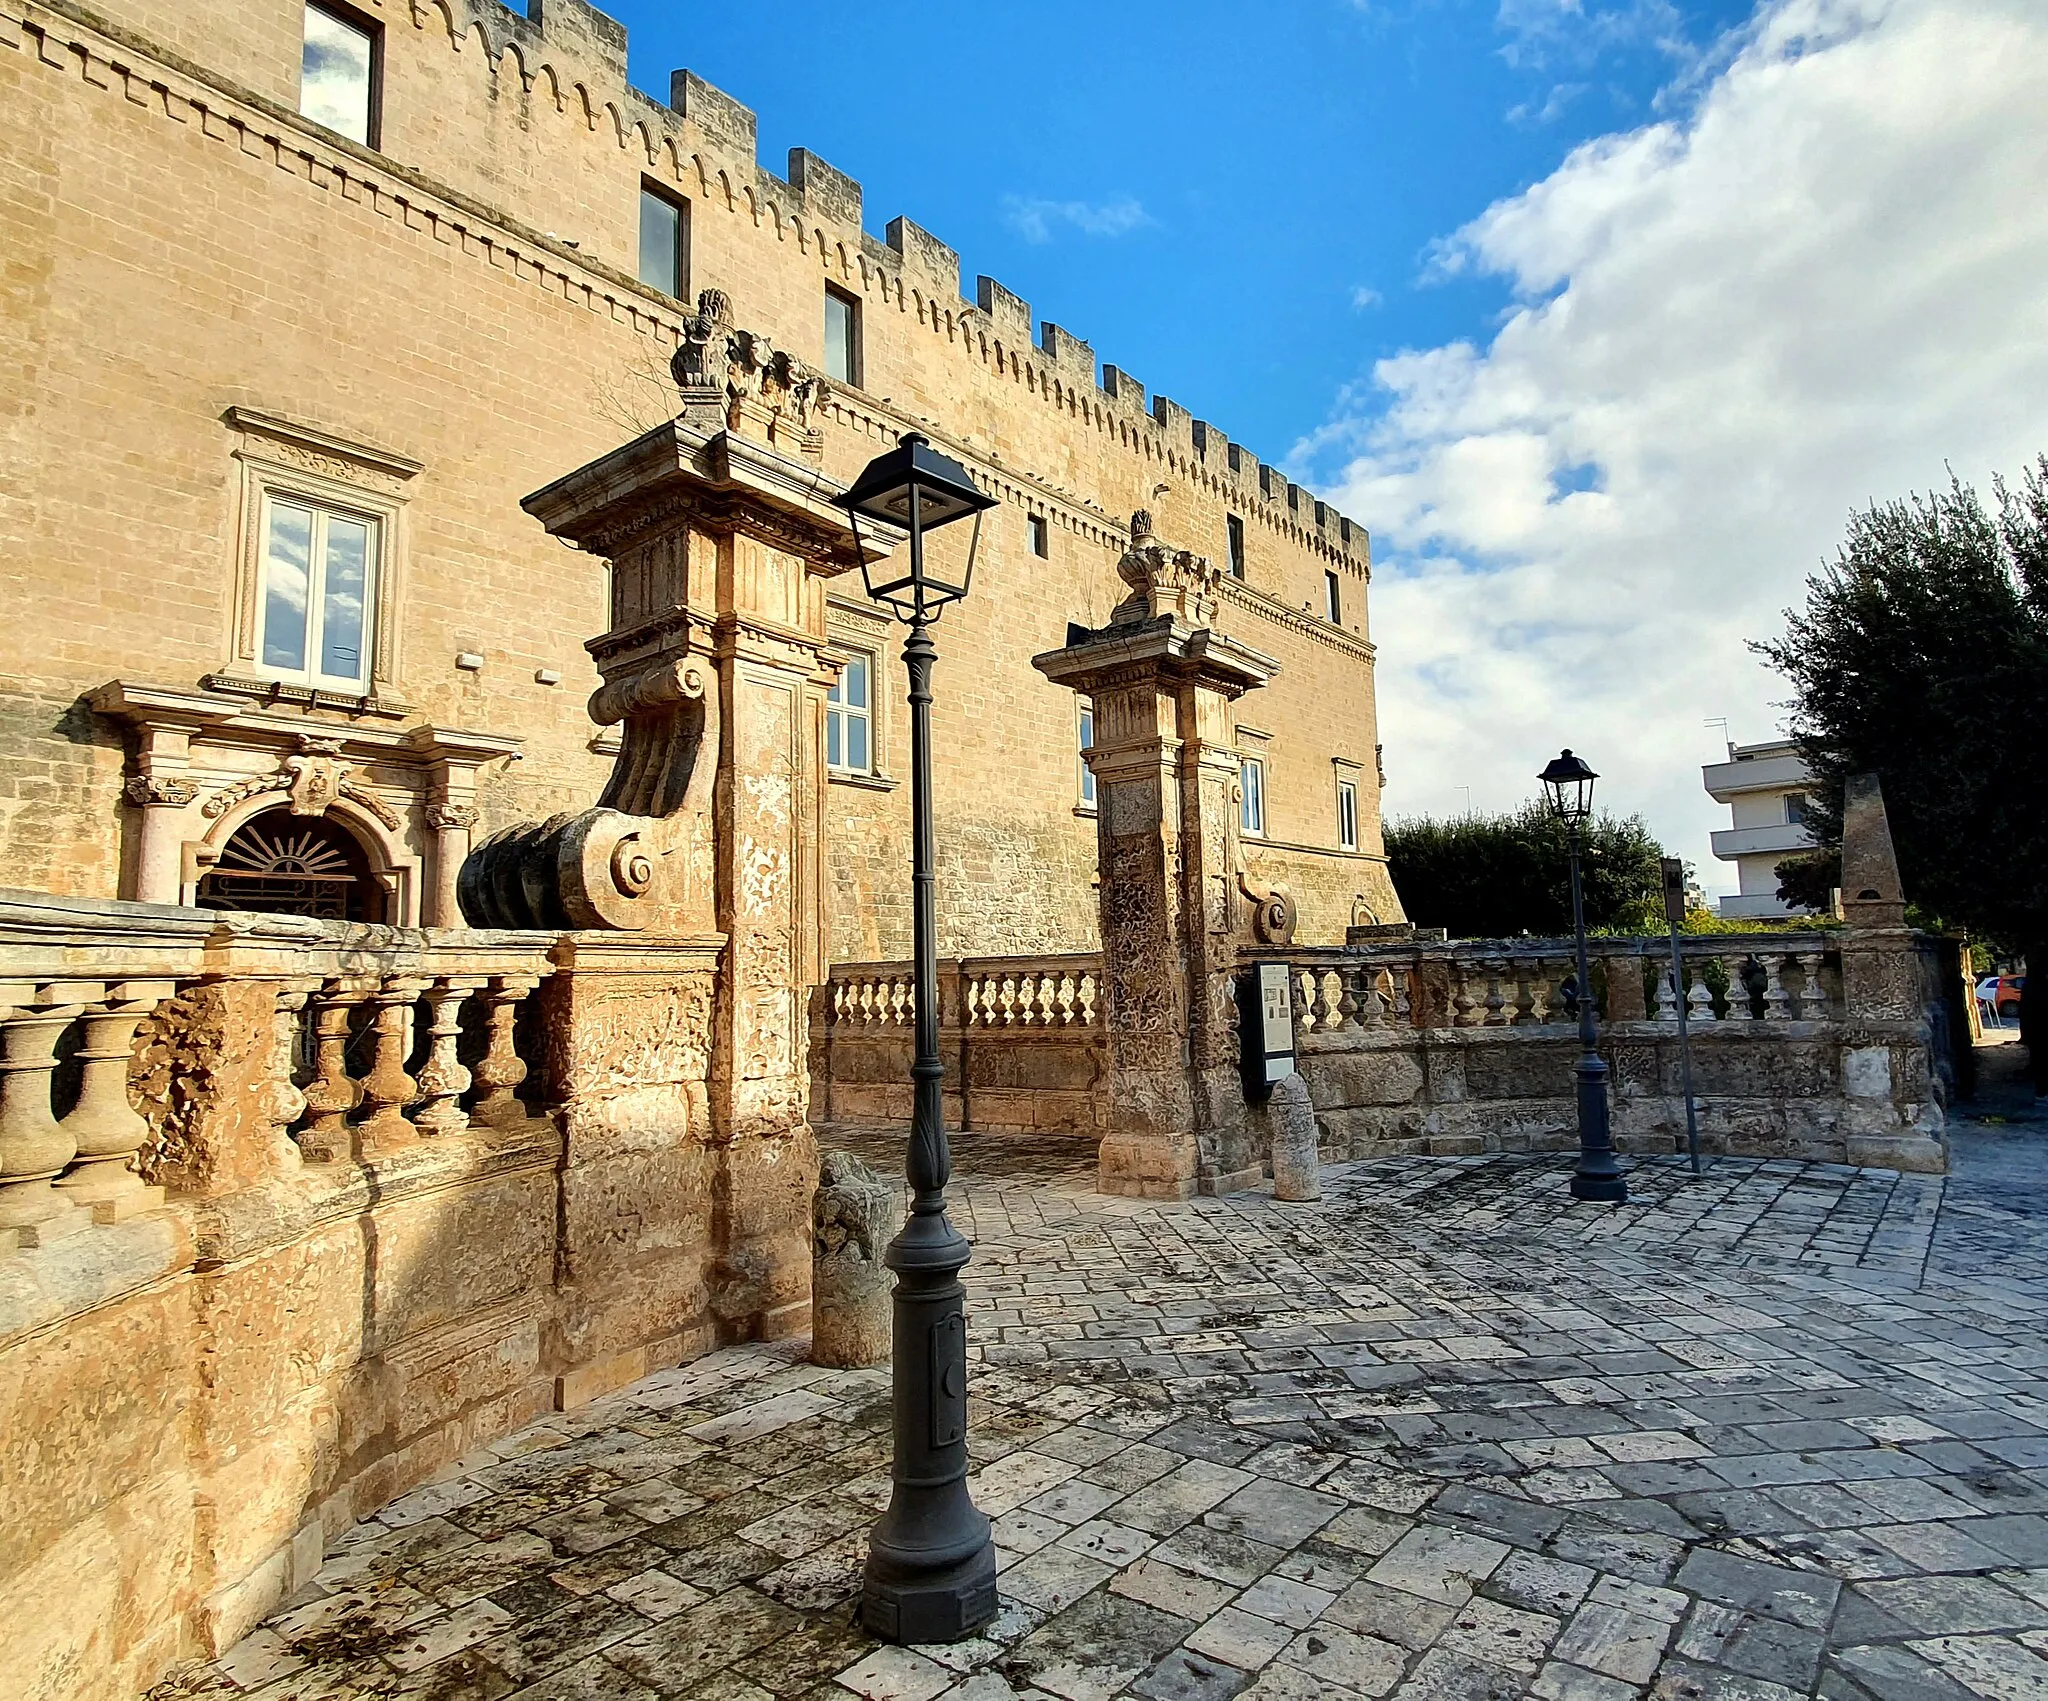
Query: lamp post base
x=902, y=1603
x=1600, y=1189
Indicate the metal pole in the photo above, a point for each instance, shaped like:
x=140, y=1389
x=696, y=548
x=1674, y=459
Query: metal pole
x=1692, y=1126
x=1598, y=1176
x=931, y=1567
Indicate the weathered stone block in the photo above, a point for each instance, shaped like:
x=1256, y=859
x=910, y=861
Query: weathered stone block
x=854, y=1216
x=1297, y=1165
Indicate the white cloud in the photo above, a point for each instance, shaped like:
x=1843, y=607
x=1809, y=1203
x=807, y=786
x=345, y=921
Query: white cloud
x=1543, y=33
x=1037, y=218
x=1363, y=297
x=1826, y=281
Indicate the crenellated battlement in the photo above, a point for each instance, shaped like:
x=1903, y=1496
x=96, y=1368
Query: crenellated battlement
x=571, y=52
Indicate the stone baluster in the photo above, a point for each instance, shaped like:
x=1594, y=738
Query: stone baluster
x=1737, y=971
x=442, y=1078
x=1777, y=1002
x=387, y=1088
x=1699, y=1001
x=34, y=1146
x=284, y=1100
x=1298, y=981
x=1319, y=1003
x=1402, y=979
x=1813, y=997
x=1041, y=1003
x=332, y=1094
x=1347, y=1001
x=1091, y=999
x=1541, y=980
x=500, y=1070
x=1667, y=996
x=1498, y=1014
x=108, y=1129
x=1463, y=1004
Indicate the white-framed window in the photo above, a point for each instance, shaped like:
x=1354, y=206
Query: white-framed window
x=850, y=716
x=339, y=72
x=1347, y=814
x=842, y=336
x=1251, y=809
x=1234, y=534
x=664, y=242
x=1333, y=597
x=1039, y=531
x=316, y=619
x=319, y=562
x=1087, y=744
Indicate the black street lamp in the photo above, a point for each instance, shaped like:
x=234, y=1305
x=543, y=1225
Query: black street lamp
x=1568, y=783
x=931, y=1570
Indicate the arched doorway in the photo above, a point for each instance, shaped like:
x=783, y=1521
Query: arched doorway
x=278, y=863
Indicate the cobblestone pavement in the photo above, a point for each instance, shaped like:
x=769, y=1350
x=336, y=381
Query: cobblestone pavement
x=1778, y=1431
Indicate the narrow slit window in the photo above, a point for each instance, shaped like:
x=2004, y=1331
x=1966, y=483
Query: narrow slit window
x=1040, y=534
x=1234, y=527
x=842, y=337
x=319, y=587
x=339, y=73
x=664, y=243
x=850, y=717
x=1087, y=744
x=1333, y=598
x=1251, y=816
x=1347, y=815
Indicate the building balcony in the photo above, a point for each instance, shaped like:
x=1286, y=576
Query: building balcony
x=1783, y=837
x=1725, y=780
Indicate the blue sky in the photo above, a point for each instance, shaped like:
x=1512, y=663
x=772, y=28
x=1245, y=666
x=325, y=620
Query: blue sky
x=1601, y=314
x=1234, y=203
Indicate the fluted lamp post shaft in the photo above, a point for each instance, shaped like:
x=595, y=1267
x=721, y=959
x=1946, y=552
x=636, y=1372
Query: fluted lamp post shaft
x=1568, y=786
x=931, y=1568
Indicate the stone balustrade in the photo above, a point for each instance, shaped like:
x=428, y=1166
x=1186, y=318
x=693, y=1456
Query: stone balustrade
x=1021, y=1037
x=1468, y=1046
x=300, y=1212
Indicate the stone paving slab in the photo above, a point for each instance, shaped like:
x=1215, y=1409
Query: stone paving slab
x=1778, y=1431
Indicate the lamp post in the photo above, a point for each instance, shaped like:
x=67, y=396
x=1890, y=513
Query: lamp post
x=931, y=1569
x=1568, y=784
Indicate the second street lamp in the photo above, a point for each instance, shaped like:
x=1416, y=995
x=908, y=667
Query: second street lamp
x=931, y=1569
x=1568, y=785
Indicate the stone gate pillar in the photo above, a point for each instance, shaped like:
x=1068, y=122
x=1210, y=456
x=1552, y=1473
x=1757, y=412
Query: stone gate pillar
x=721, y=537
x=1161, y=680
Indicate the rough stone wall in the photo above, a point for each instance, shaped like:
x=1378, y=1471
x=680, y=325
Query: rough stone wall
x=187, y=244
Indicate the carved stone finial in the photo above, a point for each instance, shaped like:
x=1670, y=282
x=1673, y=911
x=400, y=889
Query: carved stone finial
x=699, y=362
x=1165, y=580
x=739, y=381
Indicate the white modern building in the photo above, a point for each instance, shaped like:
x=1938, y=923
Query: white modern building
x=1765, y=785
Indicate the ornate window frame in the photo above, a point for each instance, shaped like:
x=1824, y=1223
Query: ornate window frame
x=277, y=457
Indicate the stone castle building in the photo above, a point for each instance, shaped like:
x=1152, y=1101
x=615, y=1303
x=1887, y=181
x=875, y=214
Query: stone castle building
x=307, y=298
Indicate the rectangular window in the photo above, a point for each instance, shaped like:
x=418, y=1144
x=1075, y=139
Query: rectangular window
x=842, y=336
x=1795, y=809
x=1333, y=598
x=319, y=585
x=850, y=717
x=1235, y=527
x=1347, y=815
x=1041, y=535
x=1251, y=812
x=664, y=243
x=339, y=73
x=1087, y=744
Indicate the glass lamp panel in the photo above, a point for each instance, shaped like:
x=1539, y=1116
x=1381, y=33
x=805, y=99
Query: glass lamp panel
x=287, y=576
x=345, y=598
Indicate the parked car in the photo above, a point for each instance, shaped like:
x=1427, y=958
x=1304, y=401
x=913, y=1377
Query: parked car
x=2007, y=999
